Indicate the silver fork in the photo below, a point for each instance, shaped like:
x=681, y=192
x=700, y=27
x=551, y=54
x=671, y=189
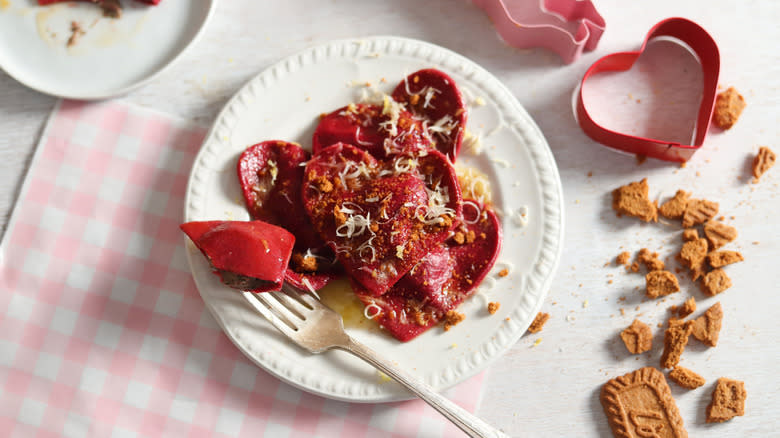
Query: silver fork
x=317, y=328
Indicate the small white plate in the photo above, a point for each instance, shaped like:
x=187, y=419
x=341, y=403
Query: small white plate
x=284, y=102
x=112, y=57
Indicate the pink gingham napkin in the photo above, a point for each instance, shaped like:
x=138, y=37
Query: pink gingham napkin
x=102, y=331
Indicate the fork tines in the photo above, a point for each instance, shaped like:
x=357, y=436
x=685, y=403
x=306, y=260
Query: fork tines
x=286, y=309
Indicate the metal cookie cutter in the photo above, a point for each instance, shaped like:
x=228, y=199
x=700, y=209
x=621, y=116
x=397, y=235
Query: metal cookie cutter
x=704, y=47
x=566, y=27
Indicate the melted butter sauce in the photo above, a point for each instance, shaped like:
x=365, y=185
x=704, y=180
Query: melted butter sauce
x=338, y=296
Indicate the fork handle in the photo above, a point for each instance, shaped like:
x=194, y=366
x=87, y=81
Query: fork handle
x=467, y=422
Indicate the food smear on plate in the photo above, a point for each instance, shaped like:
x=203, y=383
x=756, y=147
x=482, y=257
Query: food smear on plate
x=110, y=8
x=380, y=202
x=246, y=255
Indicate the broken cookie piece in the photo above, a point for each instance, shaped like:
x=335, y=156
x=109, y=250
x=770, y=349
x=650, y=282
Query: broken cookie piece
x=688, y=307
x=675, y=340
x=659, y=283
x=675, y=207
x=699, y=211
x=693, y=254
x=650, y=260
x=719, y=259
x=632, y=200
x=728, y=107
x=715, y=282
x=638, y=337
x=706, y=327
x=539, y=321
x=686, y=378
x=622, y=258
x=718, y=233
x=763, y=161
x=728, y=401
x=690, y=234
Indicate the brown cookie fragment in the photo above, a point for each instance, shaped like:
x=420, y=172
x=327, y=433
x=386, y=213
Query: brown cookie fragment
x=638, y=337
x=728, y=107
x=686, y=378
x=706, y=327
x=728, y=401
x=675, y=340
x=640, y=404
x=719, y=259
x=693, y=254
x=699, y=211
x=632, y=200
x=622, y=258
x=539, y=321
x=493, y=307
x=715, y=282
x=675, y=207
x=659, y=283
x=690, y=234
x=688, y=307
x=719, y=234
x=763, y=161
x=452, y=318
x=650, y=260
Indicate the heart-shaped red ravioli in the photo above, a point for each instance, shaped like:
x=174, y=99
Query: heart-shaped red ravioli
x=380, y=217
x=382, y=131
x=442, y=280
x=271, y=174
x=246, y=255
x=434, y=97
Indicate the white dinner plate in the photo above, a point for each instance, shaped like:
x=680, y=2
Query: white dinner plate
x=285, y=102
x=112, y=57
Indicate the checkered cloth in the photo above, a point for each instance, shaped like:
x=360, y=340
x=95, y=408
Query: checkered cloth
x=102, y=332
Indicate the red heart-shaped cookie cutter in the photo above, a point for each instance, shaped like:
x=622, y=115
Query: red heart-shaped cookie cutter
x=704, y=47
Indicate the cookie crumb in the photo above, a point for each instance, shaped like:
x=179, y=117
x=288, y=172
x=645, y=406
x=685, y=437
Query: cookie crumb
x=539, y=321
x=659, y=283
x=452, y=318
x=728, y=107
x=706, y=327
x=638, y=337
x=763, y=161
x=632, y=200
x=728, y=401
x=686, y=378
x=503, y=273
x=493, y=307
x=650, y=260
x=622, y=258
x=715, y=282
x=304, y=263
x=690, y=234
x=688, y=307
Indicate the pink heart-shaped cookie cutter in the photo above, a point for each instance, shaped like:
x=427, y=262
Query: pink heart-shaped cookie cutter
x=704, y=46
x=566, y=27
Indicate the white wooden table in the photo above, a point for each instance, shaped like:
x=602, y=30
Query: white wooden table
x=550, y=389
